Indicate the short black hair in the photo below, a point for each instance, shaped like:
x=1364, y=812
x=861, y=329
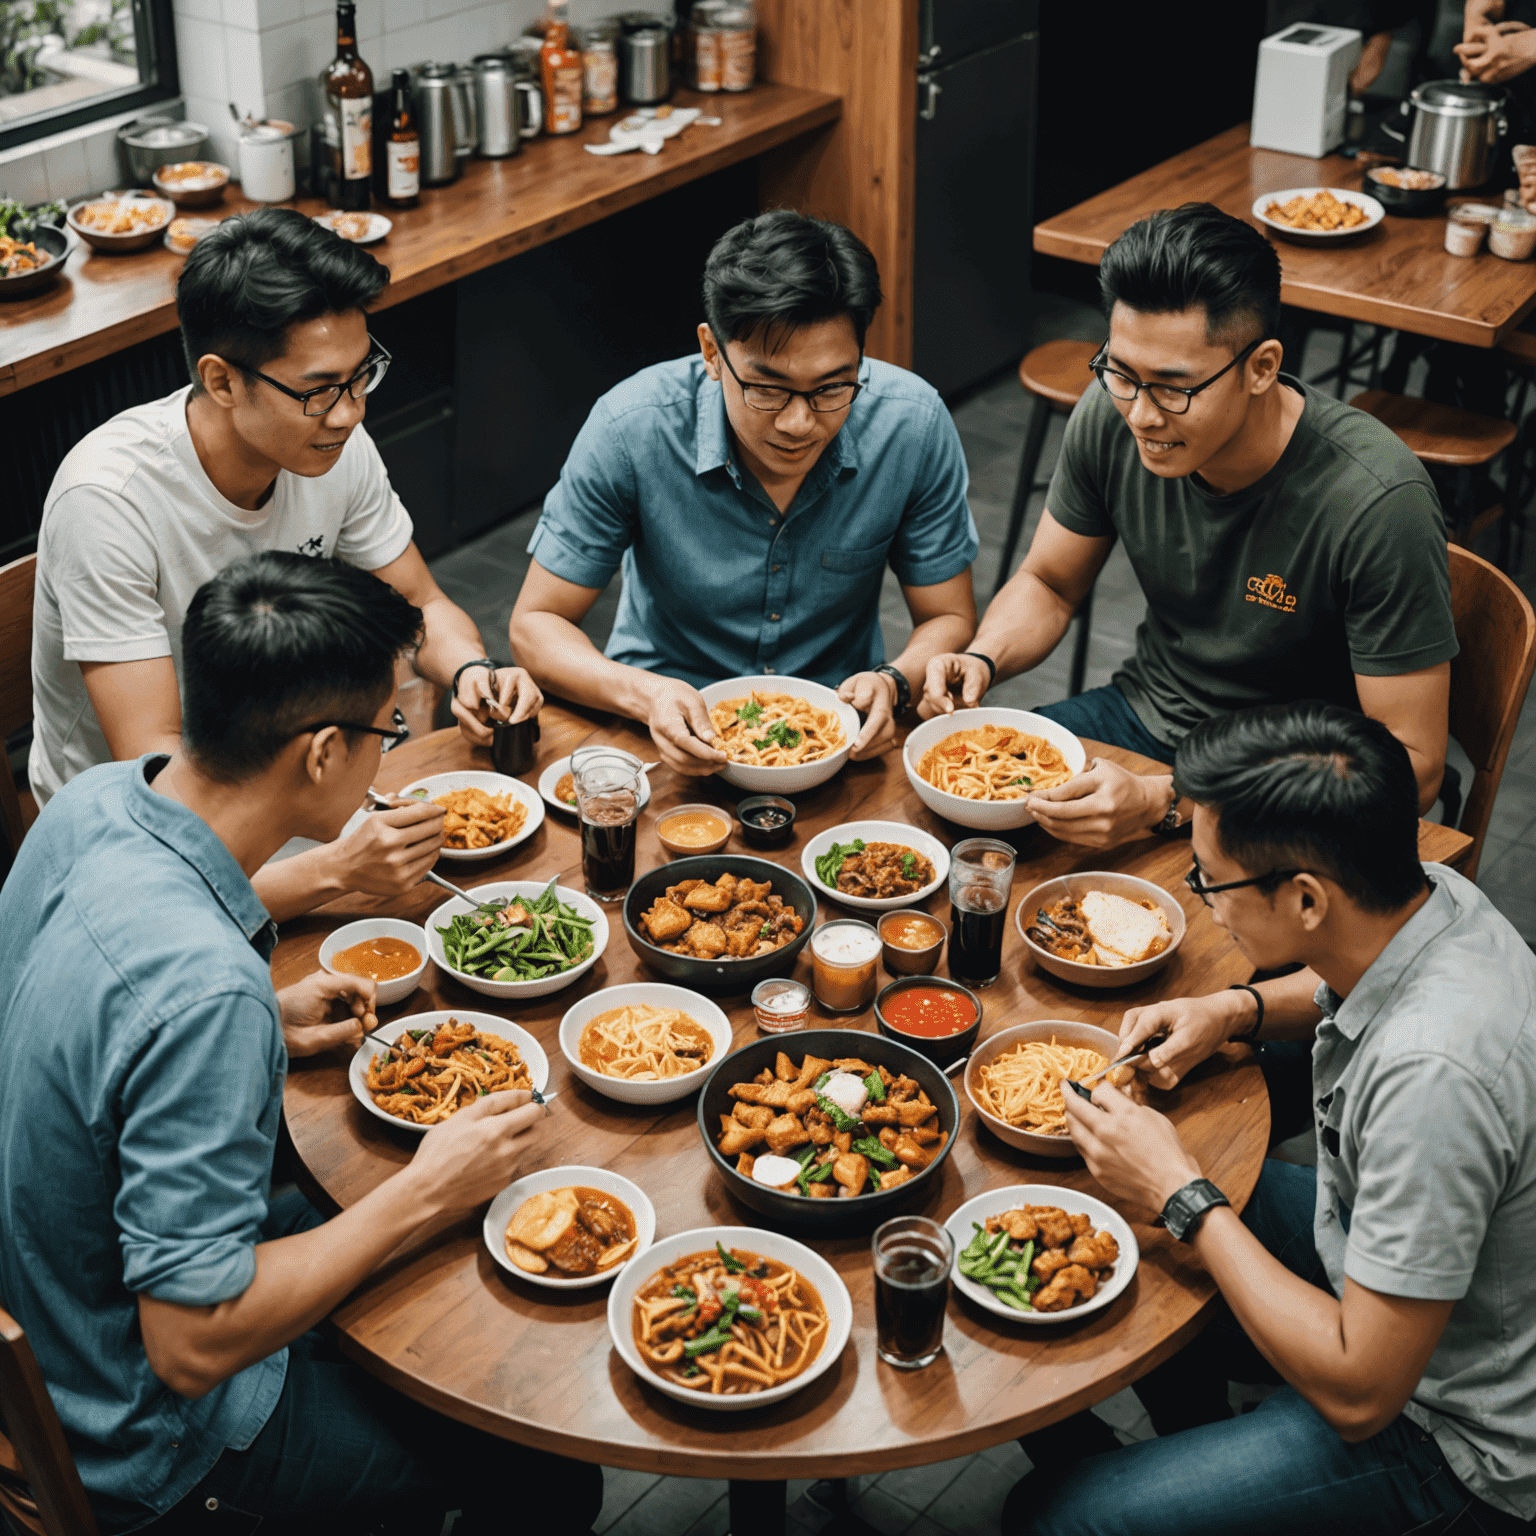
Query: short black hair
x=1180, y=257
x=1310, y=786
x=782, y=270
x=277, y=640
x=256, y=274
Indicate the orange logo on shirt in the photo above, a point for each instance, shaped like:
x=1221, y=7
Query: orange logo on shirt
x=1270, y=590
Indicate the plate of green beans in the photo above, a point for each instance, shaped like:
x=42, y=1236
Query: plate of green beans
x=519, y=939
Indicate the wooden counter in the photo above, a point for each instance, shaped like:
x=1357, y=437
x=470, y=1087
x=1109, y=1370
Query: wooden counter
x=497, y=209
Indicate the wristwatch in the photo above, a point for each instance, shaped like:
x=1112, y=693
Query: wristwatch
x=479, y=661
x=1186, y=1207
x=903, y=687
x=1171, y=821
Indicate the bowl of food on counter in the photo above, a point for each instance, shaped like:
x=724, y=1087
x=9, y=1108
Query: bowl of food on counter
x=1406, y=189
x=191, y=183
x=119, y=222
x=32, y=249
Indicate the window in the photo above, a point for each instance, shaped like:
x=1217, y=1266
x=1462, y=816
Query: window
x=67, y=62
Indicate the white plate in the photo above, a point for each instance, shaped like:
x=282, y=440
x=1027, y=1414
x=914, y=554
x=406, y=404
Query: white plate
x=996, y=1201
x=769, y=1245
x=493, y=784
x=378, y=226
x=558, y=770
x=983, y=815
x=507, y=1202
x=398, y=988
x=1374, y=211
x=801, y=776
x=532, y=1053
x=583, y=904
x=659, y=995
x=875, y=832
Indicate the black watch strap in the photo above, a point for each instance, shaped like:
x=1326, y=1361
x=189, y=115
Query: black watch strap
x=1186, y=1207
x=991, y=665
x=903, y=687
x=479, y=661
x=1251, y=1033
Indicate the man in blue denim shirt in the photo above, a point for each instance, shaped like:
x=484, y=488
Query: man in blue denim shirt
x=753, y=496
x=146, y=1053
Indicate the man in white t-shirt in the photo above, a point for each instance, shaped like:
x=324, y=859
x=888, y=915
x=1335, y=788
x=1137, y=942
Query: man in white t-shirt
x=265, y=450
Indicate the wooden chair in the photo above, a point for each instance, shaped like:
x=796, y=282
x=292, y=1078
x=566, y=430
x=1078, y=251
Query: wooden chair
x=17, y=583
x=40, y=1490
x=1056, y=374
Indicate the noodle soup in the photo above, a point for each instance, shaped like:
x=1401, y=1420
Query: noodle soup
x=775, y=730
x=994, y=762
x=645, y=1044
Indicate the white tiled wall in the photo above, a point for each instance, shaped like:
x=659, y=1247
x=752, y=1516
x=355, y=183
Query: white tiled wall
x=68, y=164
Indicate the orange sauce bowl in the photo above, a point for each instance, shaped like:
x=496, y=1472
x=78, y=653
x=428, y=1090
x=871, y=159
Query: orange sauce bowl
x=903, y=956
x=685, y=830
x=352, y=937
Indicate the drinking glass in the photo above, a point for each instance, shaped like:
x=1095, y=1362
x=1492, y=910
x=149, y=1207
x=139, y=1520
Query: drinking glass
x=913, y=1257
x=608, y=803
x=980, y=878
x=844, y=953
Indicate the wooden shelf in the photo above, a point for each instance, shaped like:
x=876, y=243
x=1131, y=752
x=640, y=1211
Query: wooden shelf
x=497, y=209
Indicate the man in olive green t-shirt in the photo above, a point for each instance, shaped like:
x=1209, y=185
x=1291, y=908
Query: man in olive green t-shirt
x=1288, y=545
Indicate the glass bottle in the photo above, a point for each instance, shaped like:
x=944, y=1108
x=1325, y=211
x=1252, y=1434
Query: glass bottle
x=346, y=84
x=402, y=184
x=601, y=69
x=562, y=69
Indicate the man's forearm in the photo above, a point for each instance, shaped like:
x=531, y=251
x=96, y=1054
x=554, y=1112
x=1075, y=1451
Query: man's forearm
x=449, y=639
x=1023, y=625
x=1289, y=1010
x=933, y=637
x=300, y=883
x=564, y=662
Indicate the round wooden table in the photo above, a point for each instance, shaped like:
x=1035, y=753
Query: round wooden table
x=445, y=1325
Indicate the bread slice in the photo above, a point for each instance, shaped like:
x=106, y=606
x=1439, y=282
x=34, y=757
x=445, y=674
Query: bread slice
x=1123, y=931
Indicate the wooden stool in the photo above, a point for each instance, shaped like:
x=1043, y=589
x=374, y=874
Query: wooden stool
x=1459, y=440
x=1056, y=374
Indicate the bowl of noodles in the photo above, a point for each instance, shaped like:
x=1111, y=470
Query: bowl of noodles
x=485, y=814
x=977, y=767
x=768, y=1279
x=644, y=1043
x=1014, y=1080
x=1089, y=928
x=781, y=734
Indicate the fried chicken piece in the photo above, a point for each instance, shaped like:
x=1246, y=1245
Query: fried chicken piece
x=707, y=898
x=851, y=1170
x=1072, y=1285
x=727, y=882
x=810, y=1069
x=1082, y=1222
x=707, y=940
x=752, y=890
x=786, y=1132
x=824, y=1189
x=745, y=1164
x=887, y=1138
x=891, y=1177
x=665, y=920
x=914, y=1112
x=843, y=1141
x=681, y=889
x=784, y=1068
x=740, y=943
x=755, y=1115
x=736, y=1137
x=818, y=1127
x=914, y=1156
x=926, y=1135
x=1094, y=1252
x=1054, y=1223
x=900, y=1089
x=851, y=1064
x=774, y=1094
x=1019, y=1225
x=1046, y=1264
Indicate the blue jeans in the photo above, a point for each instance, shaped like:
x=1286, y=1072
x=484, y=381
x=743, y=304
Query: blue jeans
x=1105, y=714
x=1278, y=1471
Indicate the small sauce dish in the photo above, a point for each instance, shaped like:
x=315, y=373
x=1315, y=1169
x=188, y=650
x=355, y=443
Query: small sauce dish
x=929, y=1014
x=360, y=938
x=686, y=830
x=911, y=942
x=767, y=821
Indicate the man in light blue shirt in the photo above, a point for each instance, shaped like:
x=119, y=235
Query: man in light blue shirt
x=753, y=496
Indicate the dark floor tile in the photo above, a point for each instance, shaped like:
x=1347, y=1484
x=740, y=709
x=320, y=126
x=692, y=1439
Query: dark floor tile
x=622, y=1489
x=1506, y=881
x=671, y=1507
x=1514, y=809
x=890, y=1516
x=973, y=1502
x=920, y=1486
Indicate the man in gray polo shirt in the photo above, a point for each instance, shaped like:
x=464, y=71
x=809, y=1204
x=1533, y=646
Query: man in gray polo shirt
x=1393, y=1288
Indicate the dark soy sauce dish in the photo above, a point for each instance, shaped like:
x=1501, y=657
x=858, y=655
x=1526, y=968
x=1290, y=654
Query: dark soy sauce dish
x=767, y=821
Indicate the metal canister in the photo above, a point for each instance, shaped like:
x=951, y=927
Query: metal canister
x=645, y=66
x=703, y=53
x=497, y=106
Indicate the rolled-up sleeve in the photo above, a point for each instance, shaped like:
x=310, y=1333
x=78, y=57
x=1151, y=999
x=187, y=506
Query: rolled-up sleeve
x=199, y=1110
x=937, y=537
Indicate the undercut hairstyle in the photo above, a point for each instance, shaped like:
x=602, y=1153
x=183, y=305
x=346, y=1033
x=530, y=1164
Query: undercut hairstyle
x=277, y=641
x=247, y=281
x=775, y=273
x=1310, y=786
x=1197, y=255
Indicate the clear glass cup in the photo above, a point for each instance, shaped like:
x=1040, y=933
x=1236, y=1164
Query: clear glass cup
x=913, y=1257
x=980, y=880
x=608, y=803
x=844, y=956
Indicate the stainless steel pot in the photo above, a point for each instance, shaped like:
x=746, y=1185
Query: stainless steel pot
x=498, y=109
x=147, y=143
x=445, y=120
x=645, y=66
x=1456, y=129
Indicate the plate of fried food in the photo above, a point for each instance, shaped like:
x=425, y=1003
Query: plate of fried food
x=568, y=1228
x=359, y=228
x=121, y=221
x=485, y=814
x=436, y=1063
x=1099, y=928
x=780, y=735
x=1041, y=1253
x=876, y=866
x=1318, y=215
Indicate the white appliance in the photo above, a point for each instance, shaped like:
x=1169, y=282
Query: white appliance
x=1301, y=90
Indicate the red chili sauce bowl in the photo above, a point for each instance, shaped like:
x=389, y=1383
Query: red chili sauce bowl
x=940, y=1018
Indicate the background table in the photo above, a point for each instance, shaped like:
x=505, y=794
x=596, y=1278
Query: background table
x=1398, y=275
x=444, y=1324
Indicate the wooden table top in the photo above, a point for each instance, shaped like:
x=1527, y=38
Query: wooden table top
x=496, y=209
x=444, y=1324
x=1399, y=274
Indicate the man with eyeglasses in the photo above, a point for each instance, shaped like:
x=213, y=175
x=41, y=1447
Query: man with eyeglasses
x=265, y=450
x=753, y=495
x=1389, y=1292
x=1287, y=544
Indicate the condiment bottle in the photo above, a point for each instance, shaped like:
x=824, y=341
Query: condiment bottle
x=562, y=70
x=704, y=46
x=781, y=1005
x=600, y=69
x=738, y=46
x=402, y=175
x=346, y=84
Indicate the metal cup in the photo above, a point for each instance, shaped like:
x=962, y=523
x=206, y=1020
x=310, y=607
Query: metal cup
x=512, y=745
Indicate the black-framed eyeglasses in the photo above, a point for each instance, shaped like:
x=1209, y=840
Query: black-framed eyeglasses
x=1196, y=882
x=392, y=738
x=321, y=401
x=1171, y=398
x=775, y=397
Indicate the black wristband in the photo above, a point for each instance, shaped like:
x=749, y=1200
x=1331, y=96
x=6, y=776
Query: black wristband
x=991, y=665
x=1258, y=1024
x=479, y=661
x=903, y=687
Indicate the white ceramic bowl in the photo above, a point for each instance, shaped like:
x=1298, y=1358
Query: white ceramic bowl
x=996, y=1201
x=1374, y=213
x=345, y=937
x=1100, y=977
x=583, y=904
x=506, y=1203
x=983, y=815
x=163, y=209
x=658, y=995
x=558, y=769
x=770, y=1245
x=875, y=832
x=529, y=1048
x=786, y=781
x=493, y=784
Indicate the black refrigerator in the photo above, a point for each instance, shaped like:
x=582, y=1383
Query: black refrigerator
x=975, y=102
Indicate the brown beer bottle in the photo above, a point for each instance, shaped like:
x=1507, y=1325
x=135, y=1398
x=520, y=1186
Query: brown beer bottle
x=402, y=183
x=347, y=86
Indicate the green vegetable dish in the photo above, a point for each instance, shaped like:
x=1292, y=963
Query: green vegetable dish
x=518, y=939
